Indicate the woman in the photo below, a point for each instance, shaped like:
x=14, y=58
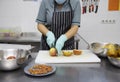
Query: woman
x=58, y=21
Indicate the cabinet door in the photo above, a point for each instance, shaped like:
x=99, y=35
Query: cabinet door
x=114, y=5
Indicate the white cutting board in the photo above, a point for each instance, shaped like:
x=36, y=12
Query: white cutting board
x=86, y=57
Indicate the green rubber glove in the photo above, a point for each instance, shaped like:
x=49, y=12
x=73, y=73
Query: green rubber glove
x=60, y=43
x=50, y=38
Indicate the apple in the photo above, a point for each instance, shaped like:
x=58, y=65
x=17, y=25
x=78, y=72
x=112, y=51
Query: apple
x=53, y=52
x=77, y=52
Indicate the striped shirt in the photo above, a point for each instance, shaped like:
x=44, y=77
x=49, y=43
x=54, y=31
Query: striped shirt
x=47, y=8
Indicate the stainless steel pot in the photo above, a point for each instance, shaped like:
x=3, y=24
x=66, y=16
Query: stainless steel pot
x=98, y=49
x=11, y=59
x=114, y=61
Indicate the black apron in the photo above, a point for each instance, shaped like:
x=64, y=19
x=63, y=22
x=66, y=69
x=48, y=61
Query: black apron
x=61, y=23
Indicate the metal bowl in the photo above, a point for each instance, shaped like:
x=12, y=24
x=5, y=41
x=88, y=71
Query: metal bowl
x=11, y=59
x=98, y=49
x=114, y=61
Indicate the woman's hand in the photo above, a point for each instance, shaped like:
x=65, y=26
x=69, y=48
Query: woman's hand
x=50, y=38
x=60, y=43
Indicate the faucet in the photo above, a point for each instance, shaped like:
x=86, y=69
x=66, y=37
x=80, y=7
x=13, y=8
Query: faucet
x=78, y=39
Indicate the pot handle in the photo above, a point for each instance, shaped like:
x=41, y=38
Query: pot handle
x=23, y=60
x=28, y=59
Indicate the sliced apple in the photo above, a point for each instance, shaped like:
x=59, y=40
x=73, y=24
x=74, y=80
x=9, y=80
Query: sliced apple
x=77, y=52
x=67, y=53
